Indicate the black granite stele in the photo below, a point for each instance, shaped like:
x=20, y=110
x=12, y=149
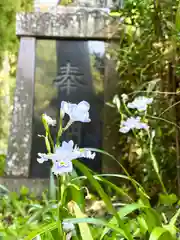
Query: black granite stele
x=73, y=81
x=41, y=84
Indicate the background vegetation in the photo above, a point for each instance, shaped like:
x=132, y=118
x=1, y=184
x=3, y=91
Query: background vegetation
x=147, y=61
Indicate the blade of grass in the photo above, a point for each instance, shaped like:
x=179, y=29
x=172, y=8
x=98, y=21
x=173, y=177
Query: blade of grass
x=113, y=186
x=158, y=232
x=96, y=222
x=123, y=212
x=103, y=195
x=83, y=227
x=175, y=217
x=138, y=187
x=45, y=228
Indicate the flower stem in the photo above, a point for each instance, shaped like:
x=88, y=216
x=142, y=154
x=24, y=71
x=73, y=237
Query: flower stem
x=51, y=141
x=59, y=207
x=61, y=191
x=60, y=131
x=67, y=126
x=155, y=165
x=126, y=108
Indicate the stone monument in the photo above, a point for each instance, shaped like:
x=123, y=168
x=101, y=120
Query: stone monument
x=61, y=57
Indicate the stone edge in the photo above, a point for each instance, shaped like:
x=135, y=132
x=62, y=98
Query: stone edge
x=67, y=22
x=36, y=186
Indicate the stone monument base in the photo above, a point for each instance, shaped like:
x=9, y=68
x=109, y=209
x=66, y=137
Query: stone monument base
x=35, y=186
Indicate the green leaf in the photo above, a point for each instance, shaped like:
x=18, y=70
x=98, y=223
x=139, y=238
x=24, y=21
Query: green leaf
x=116, y=102
x=75, y=190
x=35, y=216
x=129, y=208
x=167, y=199
x=114, y=14
x=76, y=195
x=83, y=227
x=152, y=219
x=96, y=222
x=142, y=224
x=96, y=185
x=158, y=232
x=47, y=236
x=113, y=186
x=171, y=228
x=45, y=228
x=123, y=212
x=103, y=195
x=177, y=21
x=175, y=217
x=138, y=187
x=24, y=190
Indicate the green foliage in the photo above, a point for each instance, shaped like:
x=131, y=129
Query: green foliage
x=21, y=213
x=147, y=60
x=7, y=26
x=7, y=85
x=9, y=8
x=2, y=163
x=24, y=215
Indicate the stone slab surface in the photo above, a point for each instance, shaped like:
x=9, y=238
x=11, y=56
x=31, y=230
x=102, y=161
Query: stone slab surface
x=36, y=186
x=19, y=146
x=67, y=22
